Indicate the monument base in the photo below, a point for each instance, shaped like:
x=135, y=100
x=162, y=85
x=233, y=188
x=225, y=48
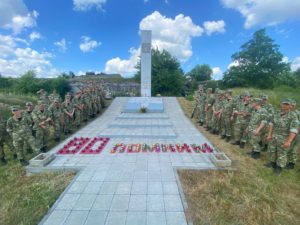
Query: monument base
x=151, y=104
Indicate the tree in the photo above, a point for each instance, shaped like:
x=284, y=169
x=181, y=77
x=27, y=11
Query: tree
x=258, y=64
x=167, y=77
x=200, y=73
x=28, y=83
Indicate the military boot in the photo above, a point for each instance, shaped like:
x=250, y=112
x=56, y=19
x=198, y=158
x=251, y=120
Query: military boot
x=277, y=170
x=223, y=136
x=271, y=165
x=24, y=162
x=3, y=161
x=290, y=166
x=228, y=138
x=236, y=143
x=255, y=155
x=242, y=144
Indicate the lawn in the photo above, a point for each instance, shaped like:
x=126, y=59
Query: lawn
x=248, y=194
x=24, y=200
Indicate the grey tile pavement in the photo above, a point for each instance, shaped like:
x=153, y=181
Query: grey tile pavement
x=128, y=188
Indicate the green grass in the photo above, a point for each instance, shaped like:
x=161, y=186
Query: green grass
x=249, y=195
x=275, y=95
x=24, y=200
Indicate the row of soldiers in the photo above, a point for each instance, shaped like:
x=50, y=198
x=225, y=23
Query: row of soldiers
x=243, y=119
x=28, y=129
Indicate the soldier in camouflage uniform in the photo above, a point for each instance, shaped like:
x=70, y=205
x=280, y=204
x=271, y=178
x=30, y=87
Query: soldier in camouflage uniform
x=55, y=113
x=27, y=116
x=5, y=139
x=226, y=128
x=282, y=131
x=258, y=121
x=201, y=106
x=20, y=132
x=217, y=112
x=270, y=110
x=242, y=113
x=292, y=156
x=68, y=111
x=196, y=102
x=209, y=102
x=41, y=121
x=78, y=106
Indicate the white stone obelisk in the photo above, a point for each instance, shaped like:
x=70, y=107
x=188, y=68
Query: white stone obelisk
x=146, y=63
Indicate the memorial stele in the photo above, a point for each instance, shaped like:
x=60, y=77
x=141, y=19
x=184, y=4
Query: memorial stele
x=146, y=63
x=152, y=104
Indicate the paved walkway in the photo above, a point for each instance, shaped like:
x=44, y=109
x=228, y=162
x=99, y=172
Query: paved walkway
x=128, y=188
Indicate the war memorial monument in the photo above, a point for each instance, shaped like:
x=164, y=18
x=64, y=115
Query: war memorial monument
x=127, y=161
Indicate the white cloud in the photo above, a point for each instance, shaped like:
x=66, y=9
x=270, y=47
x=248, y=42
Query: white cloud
x=35, y=36
x=62, y=45
x=87, y=44
x=85, y=5
x=214, y=27
x=173, y=35
x=122, y=66
x=295, y=64
x=9, y=9
x=19, y=23
x=15, y=60
x=233, y=64
x=267, y=12
x=217, y=73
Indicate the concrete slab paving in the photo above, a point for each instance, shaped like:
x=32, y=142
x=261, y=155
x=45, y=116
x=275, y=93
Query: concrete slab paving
x=128, y=188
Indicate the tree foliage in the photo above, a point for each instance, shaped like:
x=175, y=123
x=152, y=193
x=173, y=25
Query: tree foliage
x=167, y=77
x=28, y=83
x=259, y=63
x=200, y=73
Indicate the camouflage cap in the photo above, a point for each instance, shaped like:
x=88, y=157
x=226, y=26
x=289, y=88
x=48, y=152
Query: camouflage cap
x=246, y=93
x=264, y=96
x=228, y=91
x=40, y=91
x=209, y=89
x=29, y=104
x=41, y=102
x=15, y=108
x=256, y=100
x=286, y=101
x=56, y=100
x=221, y=92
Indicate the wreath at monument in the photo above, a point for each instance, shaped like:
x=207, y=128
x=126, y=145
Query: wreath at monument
x=143, y=109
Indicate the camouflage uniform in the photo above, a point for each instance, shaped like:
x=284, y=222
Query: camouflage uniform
x=259, y=116
x=27, y=117
x=20, y=132
x=41, y=126
x=217, y=113
x=78, y=108
x=226, y=119
x=201, y=107
x=292, y=156
x=67, y=107
x=209, y=102
x=283, y=124
x=270, y=110
x=55, y=113
x=196, y=104
x=241, y=123
x=5, y=138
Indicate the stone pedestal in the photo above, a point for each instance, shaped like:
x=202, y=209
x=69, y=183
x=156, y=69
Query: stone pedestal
x=152, y=104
